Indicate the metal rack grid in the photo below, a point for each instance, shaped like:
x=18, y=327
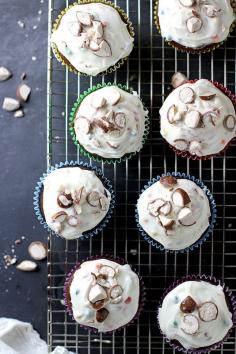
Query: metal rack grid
x=148, y=71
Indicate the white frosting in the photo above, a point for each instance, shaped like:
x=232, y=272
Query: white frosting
x=179, y=237
x=213, y=29
x=70, y=180
x=120, y=141
x=171, y=317
x=119, y=314
x=211, y=138
x=115, y=33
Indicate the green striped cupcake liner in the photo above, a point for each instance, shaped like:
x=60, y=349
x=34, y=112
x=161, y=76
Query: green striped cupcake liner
x=86, y=153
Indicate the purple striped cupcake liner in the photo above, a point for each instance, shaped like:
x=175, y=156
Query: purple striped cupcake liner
x=39, y=189
x=121, y=261
x=231, y=303
x=207, y=232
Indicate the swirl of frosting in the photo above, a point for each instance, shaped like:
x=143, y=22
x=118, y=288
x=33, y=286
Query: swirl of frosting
x=198, y=118
x=195, y=23
x=110, y=122
x=74, y=201
x=195, y=314
x=92, y=37
x=175, y=212
x=104, y=294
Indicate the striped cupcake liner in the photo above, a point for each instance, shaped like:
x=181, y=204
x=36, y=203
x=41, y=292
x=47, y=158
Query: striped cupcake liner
x=230, y=300
x=86, y=153
x=121, y=261
x=203, y=237
x=186, y=154
x=183, y=49
x=39, y=189
x=65, y=62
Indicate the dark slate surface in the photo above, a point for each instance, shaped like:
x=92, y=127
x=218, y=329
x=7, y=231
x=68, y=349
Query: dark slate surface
x=23, y=157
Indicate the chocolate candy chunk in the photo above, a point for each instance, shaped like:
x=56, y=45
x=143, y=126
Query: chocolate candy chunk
x=190, y=324
x=77, y=195
x=83, y=40
x=165, y=209
x=120, y=120
x=208, y=97
x=93, y=46
x=117, y=300
x=97, y=293
x=195, y=148
x=178, y=79
x=98, y=29
x=98, y=101
x=229, y=123
x=115, y=291
x=155, y=206
x=60, y=216
x=74, y=28
x=73, y=220
x=114, y=96
x=98, y=304
x=188, y=305
x=181, y=144
x=104, y=50
x=192, y=119
x=187, y=3
x=194, y=24
x=101, y=279
x=212, y=11
x=186, y=95
x=103, y=203
x=180, y=197
x=84, y=18
x=107, y=270
x=110, y=116
x=168, y=181
x=173, y=115
x=5, y=74
x=208, y=312
x=102, y=314
x=64, y=200
x=210, y=117
x=185, y=217
x=93, y=199
x=83, y=125
x=166, y=223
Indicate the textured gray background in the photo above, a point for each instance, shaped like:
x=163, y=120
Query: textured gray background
x=23, y=157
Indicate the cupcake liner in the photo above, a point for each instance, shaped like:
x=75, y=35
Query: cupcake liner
x=98, y=158
x=230, y=300
x=206, y=233
x=183, y=49
x=65, y=62
x=39, y=189
x=186, y=154
x=69, y=277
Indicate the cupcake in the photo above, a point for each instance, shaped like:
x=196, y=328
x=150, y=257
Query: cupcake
x=74, y=201
x=109, y=123
x=92, y=37
x=198, y=119
x=196, y=26
x=196, y=314
x=175, y=212
x=103, y=294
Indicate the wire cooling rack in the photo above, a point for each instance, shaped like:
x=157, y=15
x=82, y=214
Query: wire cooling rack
x=148, y=71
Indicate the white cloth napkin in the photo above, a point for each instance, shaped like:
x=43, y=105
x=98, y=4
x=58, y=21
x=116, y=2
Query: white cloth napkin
x=20, y=338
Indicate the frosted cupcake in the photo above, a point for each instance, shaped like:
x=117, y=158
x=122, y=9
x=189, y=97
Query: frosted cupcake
x=198, y=119
x=92, y=37
x=175, y=212
x=196, y=315
x=196, y=26
x=109, y=123
x=103, y=295
x=74, y=201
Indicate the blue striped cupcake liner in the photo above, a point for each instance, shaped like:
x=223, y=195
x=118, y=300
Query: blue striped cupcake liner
x=231, y=303
x=39, y=189
x=205, y=235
